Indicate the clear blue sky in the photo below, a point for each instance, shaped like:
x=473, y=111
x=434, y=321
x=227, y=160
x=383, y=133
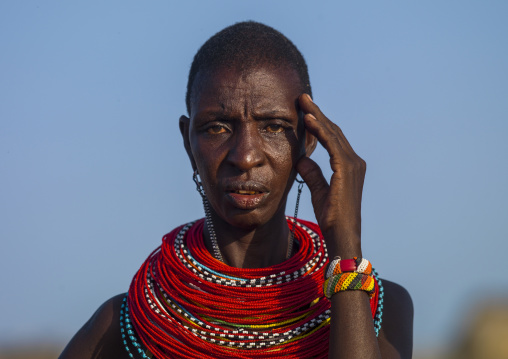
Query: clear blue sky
x=93, y=172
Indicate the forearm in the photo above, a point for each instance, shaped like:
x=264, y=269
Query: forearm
x=352, y=332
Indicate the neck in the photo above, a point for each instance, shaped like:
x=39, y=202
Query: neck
x=260, y=247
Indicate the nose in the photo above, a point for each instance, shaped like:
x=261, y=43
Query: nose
x=246, y=150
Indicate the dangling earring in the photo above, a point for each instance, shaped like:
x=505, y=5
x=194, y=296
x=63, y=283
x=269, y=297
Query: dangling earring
x=292, y=237
x=211, y=230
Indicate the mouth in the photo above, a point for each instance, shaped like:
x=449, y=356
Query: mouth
x=245, y=192
x=246, y=195
x=247, y=188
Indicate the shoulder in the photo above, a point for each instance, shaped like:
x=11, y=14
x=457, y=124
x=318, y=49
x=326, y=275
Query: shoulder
x=396, y=335
x=100, y=337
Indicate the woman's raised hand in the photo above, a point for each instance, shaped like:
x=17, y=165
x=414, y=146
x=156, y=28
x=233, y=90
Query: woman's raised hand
x=337, y=204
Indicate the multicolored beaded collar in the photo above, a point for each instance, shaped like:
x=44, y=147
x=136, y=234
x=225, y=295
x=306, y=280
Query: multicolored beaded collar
x=184, y=303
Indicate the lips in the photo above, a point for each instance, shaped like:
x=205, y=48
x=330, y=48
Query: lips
x=246, y=195
x=245, y=187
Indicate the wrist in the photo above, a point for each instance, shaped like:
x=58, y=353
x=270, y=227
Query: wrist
x=345, y=245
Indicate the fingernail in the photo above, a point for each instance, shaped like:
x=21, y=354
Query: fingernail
x=310, y=98
x=311, y=116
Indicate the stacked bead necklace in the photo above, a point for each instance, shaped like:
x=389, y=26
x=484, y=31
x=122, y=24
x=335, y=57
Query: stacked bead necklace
x=185, y=303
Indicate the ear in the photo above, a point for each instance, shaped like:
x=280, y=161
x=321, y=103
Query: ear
x=310, y=143
x=184, y=130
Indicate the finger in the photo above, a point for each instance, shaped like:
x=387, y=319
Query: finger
x=329, y=140
x=309, y=107
x=313, y=176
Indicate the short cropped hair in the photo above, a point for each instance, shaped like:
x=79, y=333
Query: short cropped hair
x=245, y=45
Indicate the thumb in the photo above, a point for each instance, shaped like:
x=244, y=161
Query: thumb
x=313, y=176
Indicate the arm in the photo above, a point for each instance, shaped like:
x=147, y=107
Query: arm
x=337, y=207
x=396, y=335
x=100, y=337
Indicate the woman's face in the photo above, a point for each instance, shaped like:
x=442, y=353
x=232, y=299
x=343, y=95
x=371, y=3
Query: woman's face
x=244, y=137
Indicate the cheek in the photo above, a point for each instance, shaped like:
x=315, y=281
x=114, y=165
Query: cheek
x=283, y=155
x=207, y=157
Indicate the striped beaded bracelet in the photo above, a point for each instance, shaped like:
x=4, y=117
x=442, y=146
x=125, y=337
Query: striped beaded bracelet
x=349, y=281
x=358, y=265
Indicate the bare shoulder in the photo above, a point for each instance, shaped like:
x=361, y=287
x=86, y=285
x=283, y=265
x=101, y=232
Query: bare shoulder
x=100, y=337
x=396, y=335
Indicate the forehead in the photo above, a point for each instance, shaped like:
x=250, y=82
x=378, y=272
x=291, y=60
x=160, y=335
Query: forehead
x=257, y=87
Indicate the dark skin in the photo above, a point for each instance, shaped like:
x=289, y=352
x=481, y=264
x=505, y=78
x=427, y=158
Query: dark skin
x=248, y=135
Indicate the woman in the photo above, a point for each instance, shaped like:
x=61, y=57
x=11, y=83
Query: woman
x=247, y=282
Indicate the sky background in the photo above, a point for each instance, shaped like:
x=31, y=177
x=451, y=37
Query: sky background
x=93, y=170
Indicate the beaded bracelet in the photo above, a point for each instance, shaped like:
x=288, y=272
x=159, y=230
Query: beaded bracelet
x=349, y=281
x=358, y=265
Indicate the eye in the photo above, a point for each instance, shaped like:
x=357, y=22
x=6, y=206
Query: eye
x=216, y=129
x=274, y=128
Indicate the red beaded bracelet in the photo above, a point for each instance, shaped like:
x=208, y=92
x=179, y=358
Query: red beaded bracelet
x=348, y=265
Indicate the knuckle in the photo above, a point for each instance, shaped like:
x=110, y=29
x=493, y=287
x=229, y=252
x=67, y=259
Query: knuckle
x=359, y=165
x=336, y=128
x=359, y=162
x=363, y=164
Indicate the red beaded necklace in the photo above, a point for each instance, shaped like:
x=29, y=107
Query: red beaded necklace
x=185, y=303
